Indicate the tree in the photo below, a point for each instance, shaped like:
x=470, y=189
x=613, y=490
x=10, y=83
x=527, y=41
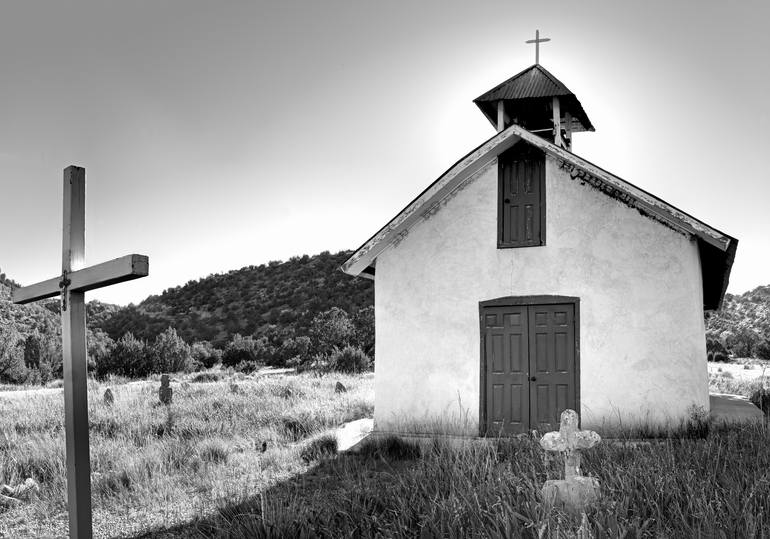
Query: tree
x=129, y=358
x=205, y=355
x=11, y=355
x=240, y=349
x=364, y=323
x=331, y=329
x=171, y=353
x=32, y=348
x=762, y=350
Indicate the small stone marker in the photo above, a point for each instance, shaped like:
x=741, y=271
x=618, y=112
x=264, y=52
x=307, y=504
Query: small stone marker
x=165, y=392
x=574, y=492
x=340, y=388
x=109, y=398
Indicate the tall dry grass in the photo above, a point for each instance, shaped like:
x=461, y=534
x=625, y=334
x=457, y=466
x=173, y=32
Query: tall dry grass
x=153, y=464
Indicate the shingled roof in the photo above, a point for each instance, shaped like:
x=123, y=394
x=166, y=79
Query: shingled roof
x=717, y=249
x=534, y=83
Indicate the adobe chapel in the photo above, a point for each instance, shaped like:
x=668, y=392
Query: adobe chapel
x=526, y=280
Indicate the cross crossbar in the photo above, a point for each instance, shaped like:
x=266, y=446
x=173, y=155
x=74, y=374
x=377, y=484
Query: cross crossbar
x=125, y=268
x=537, y=41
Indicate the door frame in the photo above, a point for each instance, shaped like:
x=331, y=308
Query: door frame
x=518, y=301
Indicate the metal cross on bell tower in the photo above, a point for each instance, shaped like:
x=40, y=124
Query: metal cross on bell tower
x=537, y=41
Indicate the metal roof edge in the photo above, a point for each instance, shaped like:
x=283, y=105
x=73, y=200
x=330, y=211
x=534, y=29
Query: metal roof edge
x=463, y=168
x=398, y=226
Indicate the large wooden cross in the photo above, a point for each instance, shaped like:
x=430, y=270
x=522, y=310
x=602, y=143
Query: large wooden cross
x=537, y=41
x=74, y=281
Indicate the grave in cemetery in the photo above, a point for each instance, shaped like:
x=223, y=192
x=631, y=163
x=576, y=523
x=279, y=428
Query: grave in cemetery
x=575, y=492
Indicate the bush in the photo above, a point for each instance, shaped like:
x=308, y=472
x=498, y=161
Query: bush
x=762, y=350
x=246, y=367
x=294, y=351
x=364, y=323
x=129, y=358
x=761, y=399
x=331, y=329
x=721, y=357
x=171, y=353
x=205, y=355
x=240, y=349
x=350, y=359
x=206, y=377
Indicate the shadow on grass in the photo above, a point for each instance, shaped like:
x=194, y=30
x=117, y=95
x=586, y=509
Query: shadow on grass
x=304, y=505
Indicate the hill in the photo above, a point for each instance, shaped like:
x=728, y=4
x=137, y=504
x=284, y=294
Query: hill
x=246, y=301
x=742, y=326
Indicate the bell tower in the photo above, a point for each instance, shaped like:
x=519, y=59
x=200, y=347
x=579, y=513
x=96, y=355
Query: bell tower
x=538, y=102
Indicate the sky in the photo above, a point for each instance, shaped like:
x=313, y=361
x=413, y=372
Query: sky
x=217, y=135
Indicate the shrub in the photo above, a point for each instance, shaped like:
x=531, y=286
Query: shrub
x=331, y=329
x=295, y=351
x=128, y=358
x=721, y=357
x=350, y=359
x=205, y=355
x=240, y=349
x=32, y=346
x=364, y=323
x=171, y=353
x=761, y=399
x=246, y=367
x=762, y=350
x=206, y=377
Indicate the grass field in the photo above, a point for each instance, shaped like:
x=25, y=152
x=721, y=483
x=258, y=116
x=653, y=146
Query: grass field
x=197, y=470
x=153, y=465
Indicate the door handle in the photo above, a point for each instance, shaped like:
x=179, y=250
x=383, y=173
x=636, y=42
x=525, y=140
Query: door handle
x=532, y=378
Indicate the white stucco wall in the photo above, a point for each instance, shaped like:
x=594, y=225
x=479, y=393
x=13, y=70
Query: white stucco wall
x=643, y=352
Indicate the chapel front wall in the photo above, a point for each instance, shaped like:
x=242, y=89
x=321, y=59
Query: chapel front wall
x=642, y=344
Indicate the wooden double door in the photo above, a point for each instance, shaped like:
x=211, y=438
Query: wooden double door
x=529, y=363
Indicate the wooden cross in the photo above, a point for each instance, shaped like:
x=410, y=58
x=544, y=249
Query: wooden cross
x=74, y=281
x=570, y=440
x=537, y=41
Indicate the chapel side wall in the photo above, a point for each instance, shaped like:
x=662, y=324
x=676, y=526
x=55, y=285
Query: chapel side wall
x=643, y=351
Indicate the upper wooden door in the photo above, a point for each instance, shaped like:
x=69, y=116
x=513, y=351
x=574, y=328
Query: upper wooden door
x=521, y=197
x=530, y=370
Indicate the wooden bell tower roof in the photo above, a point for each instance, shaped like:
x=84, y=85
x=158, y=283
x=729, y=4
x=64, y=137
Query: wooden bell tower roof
x=526, y=93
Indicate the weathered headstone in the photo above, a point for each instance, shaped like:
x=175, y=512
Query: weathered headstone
x=340, y=388
x=109, y=398
x=165, y=392
x=574, y=492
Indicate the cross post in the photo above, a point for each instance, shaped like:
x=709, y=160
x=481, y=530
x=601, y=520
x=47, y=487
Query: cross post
x=74, y=281
x=537, y=41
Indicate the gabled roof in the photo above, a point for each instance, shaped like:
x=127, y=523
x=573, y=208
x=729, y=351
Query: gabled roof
x=717, y=250
x=535, y=82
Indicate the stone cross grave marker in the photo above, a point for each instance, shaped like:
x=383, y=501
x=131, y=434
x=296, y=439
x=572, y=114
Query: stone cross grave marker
x=575, y=492
x=71, y=286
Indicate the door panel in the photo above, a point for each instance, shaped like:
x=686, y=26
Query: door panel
x=553, y=333
x=507, y=359
x=530, y=359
